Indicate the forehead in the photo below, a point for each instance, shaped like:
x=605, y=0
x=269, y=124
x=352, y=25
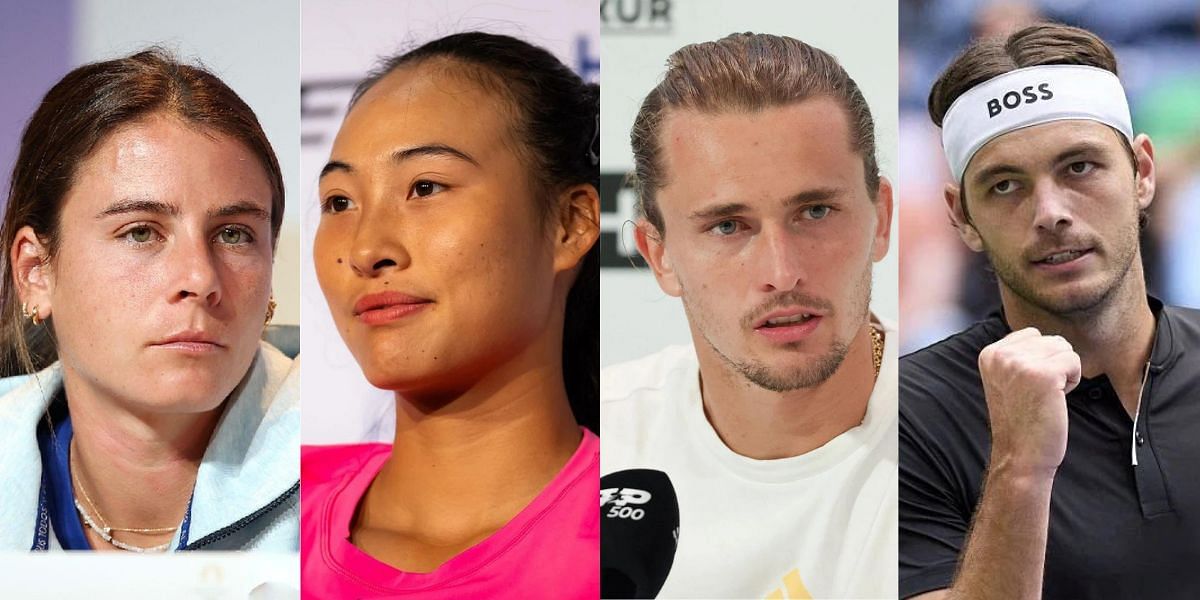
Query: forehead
x=766, y=153
x=163, y=157
x=432, y=101
x=1038, y=146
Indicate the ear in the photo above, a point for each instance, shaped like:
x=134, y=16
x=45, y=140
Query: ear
x=1143, y=154
x=578, y=226
x=958, y=216
x=883, y=220
x=650, y=244
x=31, y=271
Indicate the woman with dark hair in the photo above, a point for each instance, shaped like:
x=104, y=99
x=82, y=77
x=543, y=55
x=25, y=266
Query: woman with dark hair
x=141, y=412
x=457, y=250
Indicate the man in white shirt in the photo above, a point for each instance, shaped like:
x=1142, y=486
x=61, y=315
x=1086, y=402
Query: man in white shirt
x=762, y=208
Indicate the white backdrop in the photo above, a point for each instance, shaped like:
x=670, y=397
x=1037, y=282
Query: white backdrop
x=342, y=41
x=636, y=318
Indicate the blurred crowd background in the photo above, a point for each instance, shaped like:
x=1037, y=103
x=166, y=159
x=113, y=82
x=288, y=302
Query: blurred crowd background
x=943, y=286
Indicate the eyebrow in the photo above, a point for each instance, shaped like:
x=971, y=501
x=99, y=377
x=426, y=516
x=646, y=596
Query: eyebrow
x=432, y=150
x=734, y=208
x=123, y=207
x=435, y=150
x=1074, y=151
x=335, y=165
x=132, y=205
x=241, y=208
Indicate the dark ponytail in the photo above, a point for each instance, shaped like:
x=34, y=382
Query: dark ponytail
x=559, y=130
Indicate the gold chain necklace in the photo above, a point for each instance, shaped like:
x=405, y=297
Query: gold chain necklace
x=876, y=348
x=103, y=529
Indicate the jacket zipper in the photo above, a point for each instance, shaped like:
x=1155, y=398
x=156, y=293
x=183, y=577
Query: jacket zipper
x=240, y=524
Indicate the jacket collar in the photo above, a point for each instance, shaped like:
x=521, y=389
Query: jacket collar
x=252, y=459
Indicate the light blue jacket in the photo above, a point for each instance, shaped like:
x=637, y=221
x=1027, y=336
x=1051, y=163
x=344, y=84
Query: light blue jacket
x=247, y=494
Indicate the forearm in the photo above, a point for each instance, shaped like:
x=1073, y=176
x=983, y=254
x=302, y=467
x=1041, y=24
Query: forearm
x=1006, y=550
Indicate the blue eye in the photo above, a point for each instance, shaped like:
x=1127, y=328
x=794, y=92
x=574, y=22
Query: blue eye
x=727, y=227
x=818, y=212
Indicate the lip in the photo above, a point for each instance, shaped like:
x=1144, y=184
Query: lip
x=385, y=307
x=787, y=311
x=192, y=341
x=1063, y=267
x=795, y=332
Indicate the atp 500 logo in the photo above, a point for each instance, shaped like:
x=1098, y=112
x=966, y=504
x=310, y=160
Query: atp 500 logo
x=622, y=501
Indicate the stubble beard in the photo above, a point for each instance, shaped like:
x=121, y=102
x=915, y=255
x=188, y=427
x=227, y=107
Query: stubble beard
x=803, y=376
x=1124, y=252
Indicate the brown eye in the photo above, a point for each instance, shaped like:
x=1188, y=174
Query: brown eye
x=337, y=204
x=1082, y=167
x=1004, y=187
x=423, y=188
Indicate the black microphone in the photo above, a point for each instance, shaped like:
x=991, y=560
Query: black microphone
x=639, y=532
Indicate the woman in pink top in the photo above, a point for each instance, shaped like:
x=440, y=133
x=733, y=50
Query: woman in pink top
x=457, y=250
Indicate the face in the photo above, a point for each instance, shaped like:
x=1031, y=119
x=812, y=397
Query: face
x=1055, y=207
x=770, y=237
x=431, y=251
x=159, y=287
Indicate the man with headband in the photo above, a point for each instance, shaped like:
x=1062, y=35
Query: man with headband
x=1051, y=450
x=764, y=211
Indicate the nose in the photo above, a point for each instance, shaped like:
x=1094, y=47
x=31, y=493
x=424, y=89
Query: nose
x=780, y=255
x=198, y=274
x=376, y=248
x=1051, y=208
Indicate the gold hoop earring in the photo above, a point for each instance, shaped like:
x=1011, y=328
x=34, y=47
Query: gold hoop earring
x=270, y=310
x=32, y=315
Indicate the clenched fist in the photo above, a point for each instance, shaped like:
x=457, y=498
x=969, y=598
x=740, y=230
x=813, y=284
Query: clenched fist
x=1026, y=378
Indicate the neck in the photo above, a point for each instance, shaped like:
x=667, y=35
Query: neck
x=463, y=466
x=762, y=424
x=137, y=468
x=1113, y=338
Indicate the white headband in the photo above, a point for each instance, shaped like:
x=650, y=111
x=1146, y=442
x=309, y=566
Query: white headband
x=1031, y=96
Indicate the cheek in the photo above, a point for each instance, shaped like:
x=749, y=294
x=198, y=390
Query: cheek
x=498, y=266
x=247, y=282
x=101, y=297
x=995, y=240
x=105, y=279
x=331, y=253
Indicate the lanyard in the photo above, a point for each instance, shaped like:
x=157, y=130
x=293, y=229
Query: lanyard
x=41, y=528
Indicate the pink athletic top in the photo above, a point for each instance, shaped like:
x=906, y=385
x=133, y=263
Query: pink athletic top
x=551, y=549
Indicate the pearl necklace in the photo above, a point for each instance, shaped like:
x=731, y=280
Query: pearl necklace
x=105, y=534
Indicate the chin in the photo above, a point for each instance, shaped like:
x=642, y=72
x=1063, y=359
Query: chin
x=192, y=403
x=407, y=380
x=195, y=389
x=1074, y=297
x=392, y=373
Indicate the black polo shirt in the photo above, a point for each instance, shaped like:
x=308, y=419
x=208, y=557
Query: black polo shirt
x=1116, y=530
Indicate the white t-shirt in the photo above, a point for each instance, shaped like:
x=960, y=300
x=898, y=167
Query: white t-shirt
x=819, y=525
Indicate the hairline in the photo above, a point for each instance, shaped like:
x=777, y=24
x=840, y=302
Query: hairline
x=718, y=109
